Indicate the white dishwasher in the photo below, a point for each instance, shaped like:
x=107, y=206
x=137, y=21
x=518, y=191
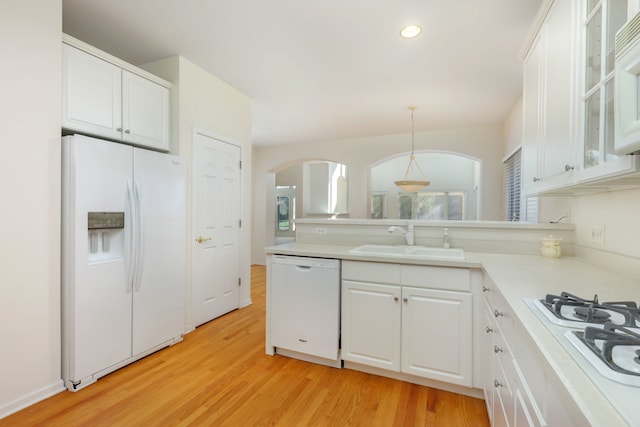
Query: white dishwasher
x=305, y=307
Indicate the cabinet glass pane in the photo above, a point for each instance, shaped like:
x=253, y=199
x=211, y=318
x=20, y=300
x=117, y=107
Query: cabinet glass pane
x=592, y=130
x=594, y=50
x=617, y=16
x=609, y=131
x=591, y=4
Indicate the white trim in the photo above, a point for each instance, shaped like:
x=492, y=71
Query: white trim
x=31, y=398
x=511, y=153
x=535, y=29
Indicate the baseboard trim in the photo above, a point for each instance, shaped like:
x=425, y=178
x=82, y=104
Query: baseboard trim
x=31, y=398
x=453, y=388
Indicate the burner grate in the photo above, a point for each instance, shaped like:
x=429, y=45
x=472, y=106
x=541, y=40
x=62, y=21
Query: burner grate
x=570, y=307
x=604, y=342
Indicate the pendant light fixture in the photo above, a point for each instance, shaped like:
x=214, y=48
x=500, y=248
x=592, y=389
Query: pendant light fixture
x=409, y=183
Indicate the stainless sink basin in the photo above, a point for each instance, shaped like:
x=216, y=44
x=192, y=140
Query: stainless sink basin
x=408, y=251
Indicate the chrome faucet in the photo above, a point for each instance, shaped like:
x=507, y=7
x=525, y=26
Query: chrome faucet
x=408, y=234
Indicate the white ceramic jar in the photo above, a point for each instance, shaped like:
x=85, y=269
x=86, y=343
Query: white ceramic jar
x=550, y=247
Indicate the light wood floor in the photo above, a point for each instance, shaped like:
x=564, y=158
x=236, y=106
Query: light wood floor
x=220, y=376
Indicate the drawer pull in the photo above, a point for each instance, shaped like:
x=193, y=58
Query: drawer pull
x=485, y=289
x=498, y=313
x=497, y=384
x=396, y=299
x=405, y=299
x=489, y=330
x=497, y=349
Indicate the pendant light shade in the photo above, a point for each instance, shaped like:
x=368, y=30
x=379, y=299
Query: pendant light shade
x=411, y=183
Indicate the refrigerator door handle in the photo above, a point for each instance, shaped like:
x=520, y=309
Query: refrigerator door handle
x=132, y=233
x=139, y=237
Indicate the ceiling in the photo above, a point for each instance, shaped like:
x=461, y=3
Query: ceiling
x=331, y=69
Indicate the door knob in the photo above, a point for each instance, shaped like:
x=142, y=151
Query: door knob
x=201, y=239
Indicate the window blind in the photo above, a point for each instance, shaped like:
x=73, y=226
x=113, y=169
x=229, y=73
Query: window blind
x=512, y=186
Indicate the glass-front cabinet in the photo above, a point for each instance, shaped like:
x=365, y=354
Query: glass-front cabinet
x=601, y=20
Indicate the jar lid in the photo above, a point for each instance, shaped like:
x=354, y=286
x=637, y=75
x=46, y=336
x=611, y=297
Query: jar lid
x=551, y=239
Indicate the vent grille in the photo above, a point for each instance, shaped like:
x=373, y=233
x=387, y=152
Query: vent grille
x=627, y=36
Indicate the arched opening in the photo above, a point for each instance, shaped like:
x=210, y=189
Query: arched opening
x=454, y=192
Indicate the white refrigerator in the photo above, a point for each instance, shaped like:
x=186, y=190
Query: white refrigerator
x=123, y=256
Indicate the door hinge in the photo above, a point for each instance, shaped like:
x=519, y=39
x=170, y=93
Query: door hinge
x=240, y=223
x=239, y=281
x=240, y=164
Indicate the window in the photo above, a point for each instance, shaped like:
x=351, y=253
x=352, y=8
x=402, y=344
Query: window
x=602, y=20
x=285, y=207
x=432, y=205
x=378, y=205
x=512, y=186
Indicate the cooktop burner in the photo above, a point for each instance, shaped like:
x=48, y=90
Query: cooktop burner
x=613, y=350
x=570, y=308
x=590, y=313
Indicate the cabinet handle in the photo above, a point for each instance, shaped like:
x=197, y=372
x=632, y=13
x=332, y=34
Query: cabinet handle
x=127, y=131
x=497, y=384
x=497, y=349
x=405, y=299
x=485, y=289
x=568, y=168
x=498, y=313
x=119, y=129
x=536, y=179
x=396, y=299
x=489, y=330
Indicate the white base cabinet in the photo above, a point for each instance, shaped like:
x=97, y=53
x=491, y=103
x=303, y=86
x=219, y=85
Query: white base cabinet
x=422, y=329
x=518, y=390
x=105, y=97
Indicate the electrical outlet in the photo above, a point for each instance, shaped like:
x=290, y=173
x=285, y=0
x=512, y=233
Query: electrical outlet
x=321, y=230
x=597, y=234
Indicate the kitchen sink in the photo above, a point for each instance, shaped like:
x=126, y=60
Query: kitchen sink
x=408, y=251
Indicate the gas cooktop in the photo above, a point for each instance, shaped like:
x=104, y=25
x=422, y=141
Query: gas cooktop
x=603, y=338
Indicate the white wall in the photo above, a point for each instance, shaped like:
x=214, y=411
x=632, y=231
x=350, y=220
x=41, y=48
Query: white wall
x=484, y=143
x=30, y=46
x=207, y=103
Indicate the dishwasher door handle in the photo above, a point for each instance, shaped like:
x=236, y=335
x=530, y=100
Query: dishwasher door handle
x=303, y=267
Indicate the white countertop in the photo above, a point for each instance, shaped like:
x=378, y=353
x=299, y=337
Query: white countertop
x=526, y=276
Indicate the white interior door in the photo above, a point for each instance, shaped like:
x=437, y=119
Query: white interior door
x=216, y=228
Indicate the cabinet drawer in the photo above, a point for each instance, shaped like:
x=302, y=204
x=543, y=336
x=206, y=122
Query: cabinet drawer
x=452, y=279
x=375, y=272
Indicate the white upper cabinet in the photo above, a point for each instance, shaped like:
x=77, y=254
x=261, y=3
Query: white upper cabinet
x=568, y=132
x=548, y=103
x=92, y=98
x=106, y=97
x=145, y=112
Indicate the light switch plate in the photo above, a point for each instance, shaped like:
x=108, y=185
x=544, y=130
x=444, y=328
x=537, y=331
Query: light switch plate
x=597, y=234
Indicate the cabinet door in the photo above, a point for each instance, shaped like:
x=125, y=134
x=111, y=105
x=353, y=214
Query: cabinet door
x=436, y=334
x=91, y=94
x=558, y=147
x=531, y=117
x=488, y=329
x=371, y=324
x=145, y=112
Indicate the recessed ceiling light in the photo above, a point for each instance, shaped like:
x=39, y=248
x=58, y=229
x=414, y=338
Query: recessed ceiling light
x=410, y=31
